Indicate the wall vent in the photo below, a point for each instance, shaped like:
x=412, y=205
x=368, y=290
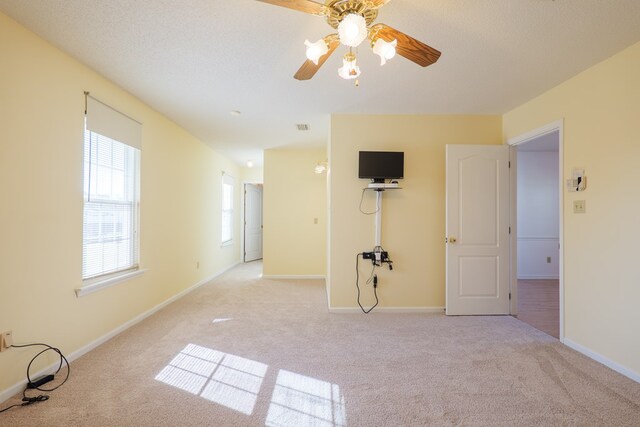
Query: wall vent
x=302, y=127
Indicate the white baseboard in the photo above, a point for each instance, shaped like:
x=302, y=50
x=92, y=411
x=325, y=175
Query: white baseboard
x=405, y=310
x=17, y=388
x=604, y=360
x=537, y=277
x=293, y=277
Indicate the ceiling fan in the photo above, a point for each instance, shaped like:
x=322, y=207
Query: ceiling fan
x=353, y=19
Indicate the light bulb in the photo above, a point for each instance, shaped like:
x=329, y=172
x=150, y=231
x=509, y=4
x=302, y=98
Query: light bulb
x=385, y=50
x=316, y=50
x=249, y=163
x=352, y=30
x=321, y=167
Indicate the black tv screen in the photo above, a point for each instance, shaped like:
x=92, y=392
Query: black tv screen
x=381, y=165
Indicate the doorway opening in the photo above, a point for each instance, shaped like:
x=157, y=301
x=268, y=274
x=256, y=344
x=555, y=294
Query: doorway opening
x=253, y=227
x=536, y=251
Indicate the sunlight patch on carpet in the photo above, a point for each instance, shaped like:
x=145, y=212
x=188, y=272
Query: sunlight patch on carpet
x=299, y=400
x=228, y=380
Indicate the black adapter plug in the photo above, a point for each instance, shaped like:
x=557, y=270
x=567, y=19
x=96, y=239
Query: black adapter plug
x=40, y=381
x=367, y=255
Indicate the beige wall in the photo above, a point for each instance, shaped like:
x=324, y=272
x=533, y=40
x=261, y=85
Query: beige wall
x=601, y=111
x=413, y=219
x=294, y=197
x=254, y=175
x=41, y=142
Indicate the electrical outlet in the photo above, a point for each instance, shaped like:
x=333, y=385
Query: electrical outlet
x=579, y=206
x=6, y=340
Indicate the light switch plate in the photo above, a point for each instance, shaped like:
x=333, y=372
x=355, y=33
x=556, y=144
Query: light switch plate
x=579, y=206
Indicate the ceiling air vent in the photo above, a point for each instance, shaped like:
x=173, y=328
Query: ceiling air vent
x=302, y=127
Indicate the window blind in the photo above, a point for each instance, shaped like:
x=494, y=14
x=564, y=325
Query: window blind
x=106, y=121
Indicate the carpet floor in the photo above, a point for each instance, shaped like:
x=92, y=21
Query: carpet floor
x=246, y=351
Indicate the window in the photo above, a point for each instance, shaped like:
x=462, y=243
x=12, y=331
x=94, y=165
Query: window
x=227, y=209
x=111, y=193
x=110, y=242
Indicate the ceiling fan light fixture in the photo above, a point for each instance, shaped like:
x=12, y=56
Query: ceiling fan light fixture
x=352, y=30
x=349, y=69
x=316, y=50
x=385, y=50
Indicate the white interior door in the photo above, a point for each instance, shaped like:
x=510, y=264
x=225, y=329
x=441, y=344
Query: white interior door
x=477, y=229
x=252, y=222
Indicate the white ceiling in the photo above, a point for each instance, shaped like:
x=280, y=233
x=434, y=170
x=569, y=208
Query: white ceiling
x=197, y=60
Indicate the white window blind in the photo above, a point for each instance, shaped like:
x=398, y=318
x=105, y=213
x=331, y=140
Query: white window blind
x=111, y=123
x=227, y=208
x=111, y=183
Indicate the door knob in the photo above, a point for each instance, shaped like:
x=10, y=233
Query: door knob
x=452, y=240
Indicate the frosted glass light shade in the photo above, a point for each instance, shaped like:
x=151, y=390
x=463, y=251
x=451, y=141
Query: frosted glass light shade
x=385, y=50
x=316, y=50
x=352, y=30
x=349, y=69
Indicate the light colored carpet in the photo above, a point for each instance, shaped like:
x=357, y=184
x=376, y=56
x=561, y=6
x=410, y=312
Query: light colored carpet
x=243, y=351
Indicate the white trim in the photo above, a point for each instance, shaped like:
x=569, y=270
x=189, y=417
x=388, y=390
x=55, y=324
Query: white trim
x=401, y=310
x=107, y=283
x=18, y=387
x=328, y=183
x=602, y=359
x=536, y=133
x=520, y=139
x=294, y=277
x=537, y=277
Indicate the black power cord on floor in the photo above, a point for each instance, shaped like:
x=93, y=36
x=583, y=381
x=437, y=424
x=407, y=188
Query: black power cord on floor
x=38, y=383
x=371, y=277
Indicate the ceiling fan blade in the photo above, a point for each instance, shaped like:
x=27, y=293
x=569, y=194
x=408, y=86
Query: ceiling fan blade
x=379, y=3
x=412, y=49
x=306, y=6
x=309, y=69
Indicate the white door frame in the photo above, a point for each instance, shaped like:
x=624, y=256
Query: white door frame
x=512, y=142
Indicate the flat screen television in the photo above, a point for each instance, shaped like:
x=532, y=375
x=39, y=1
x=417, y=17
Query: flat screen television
x=380, y=165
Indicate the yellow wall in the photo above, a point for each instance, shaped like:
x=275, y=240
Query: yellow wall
x=413, y=219
x=41, y=142
x=601, y=112
x=252, y=175
x=294, y=197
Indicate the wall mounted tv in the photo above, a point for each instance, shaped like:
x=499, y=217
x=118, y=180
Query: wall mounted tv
x=380, y=165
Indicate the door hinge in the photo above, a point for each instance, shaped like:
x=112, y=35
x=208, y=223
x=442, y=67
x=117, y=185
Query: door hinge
x=509, y=230
x=509, y=164
x=509, y=296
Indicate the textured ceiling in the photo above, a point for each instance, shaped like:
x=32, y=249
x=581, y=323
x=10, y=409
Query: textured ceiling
x=197, y=60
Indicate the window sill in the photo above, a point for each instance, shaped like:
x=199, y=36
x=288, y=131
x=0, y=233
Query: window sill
x=227, y=243
x=103, y=283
